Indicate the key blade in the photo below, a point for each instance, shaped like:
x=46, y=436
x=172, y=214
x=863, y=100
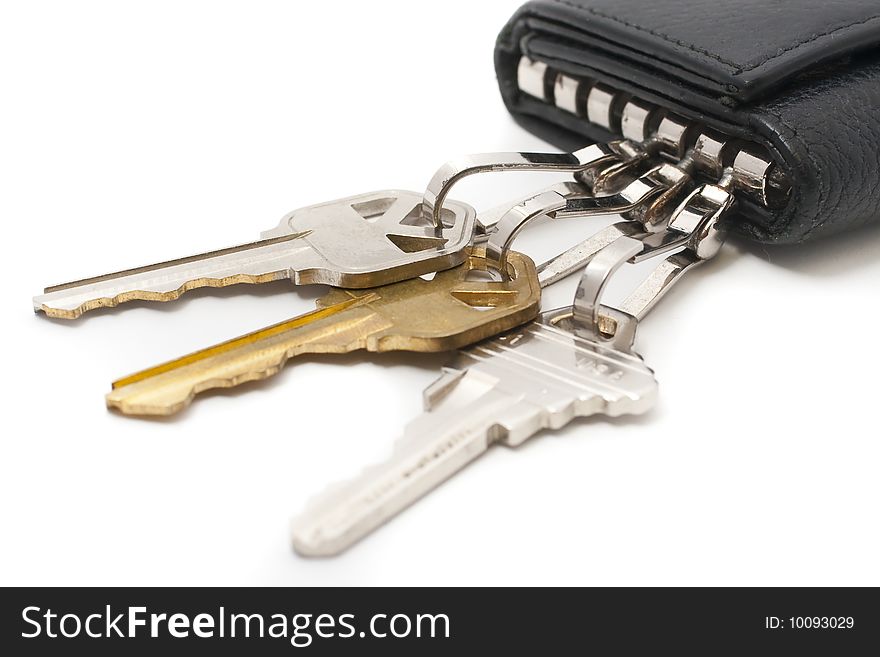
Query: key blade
x=434, y=447
x=445, y=313
x=357, y=242
x=255, y=262
x=502, y=390
x=168, y=388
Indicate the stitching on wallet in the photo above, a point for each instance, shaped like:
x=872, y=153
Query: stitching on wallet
x=815, y=37
x=738, y=68
x=665, y=37
x=730, y=88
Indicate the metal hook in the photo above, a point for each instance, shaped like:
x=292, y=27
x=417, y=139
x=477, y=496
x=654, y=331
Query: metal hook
x=516, y=218
x=660, y=184
x=694, y=225
x=590, y=157
x=597, y=273
x=487, y=221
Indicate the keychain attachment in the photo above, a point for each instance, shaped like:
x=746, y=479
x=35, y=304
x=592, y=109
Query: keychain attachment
x=581, y=161
x=657, y=221
x=693, y=230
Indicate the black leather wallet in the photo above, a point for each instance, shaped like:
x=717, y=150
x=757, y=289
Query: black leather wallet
x=799, y=79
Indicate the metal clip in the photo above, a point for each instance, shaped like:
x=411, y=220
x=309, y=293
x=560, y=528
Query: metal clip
x=648, y=131
x=651, y=204
x=693, y=228
x=644, y=202
x=581, y=161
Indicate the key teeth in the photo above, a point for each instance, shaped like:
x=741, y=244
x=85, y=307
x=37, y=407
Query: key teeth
x=317, y=533
x=304, y=547
x=59, y=313
x=139, y=410
x=105, y=302
x=348, y=511
x=147, y=295
x=309, y=542
x=120, y=403
x=308, y=538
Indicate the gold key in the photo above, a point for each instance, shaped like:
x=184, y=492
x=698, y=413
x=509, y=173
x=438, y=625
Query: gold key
x=448, y=312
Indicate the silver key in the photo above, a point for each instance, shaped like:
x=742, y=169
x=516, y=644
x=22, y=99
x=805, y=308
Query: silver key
x=501, y=391
x=571, y=362
x=361, y=241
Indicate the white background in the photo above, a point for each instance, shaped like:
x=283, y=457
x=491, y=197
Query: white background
x=137, y=132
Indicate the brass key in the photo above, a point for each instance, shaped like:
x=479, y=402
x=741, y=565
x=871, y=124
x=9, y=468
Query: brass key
x=448, y=312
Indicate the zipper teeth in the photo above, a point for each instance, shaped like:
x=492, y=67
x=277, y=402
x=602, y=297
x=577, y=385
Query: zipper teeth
x=659, y=131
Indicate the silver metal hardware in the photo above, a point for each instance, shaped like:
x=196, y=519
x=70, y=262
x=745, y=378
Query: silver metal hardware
x=590, y=157
x=487, y=221
x=753, y=173
x=645, y=202
x=503, y=391
x=634, y=121
x=648, y=131
x=671, y=136
x=600, y=100
x=573, y=361
x=694, y=229
x=570, y=362
x=658, y=131
x=531, y=77
x=708, y=153
x=607, y=179
x=585, y=310
x=361, y=241
x=546, y=203
x=565, y=93
x=574, y=258
x=567, y=262
x=652, y=229
x=631, y=199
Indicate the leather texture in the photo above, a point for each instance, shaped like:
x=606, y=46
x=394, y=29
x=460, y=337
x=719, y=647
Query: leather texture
x=802, y=77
